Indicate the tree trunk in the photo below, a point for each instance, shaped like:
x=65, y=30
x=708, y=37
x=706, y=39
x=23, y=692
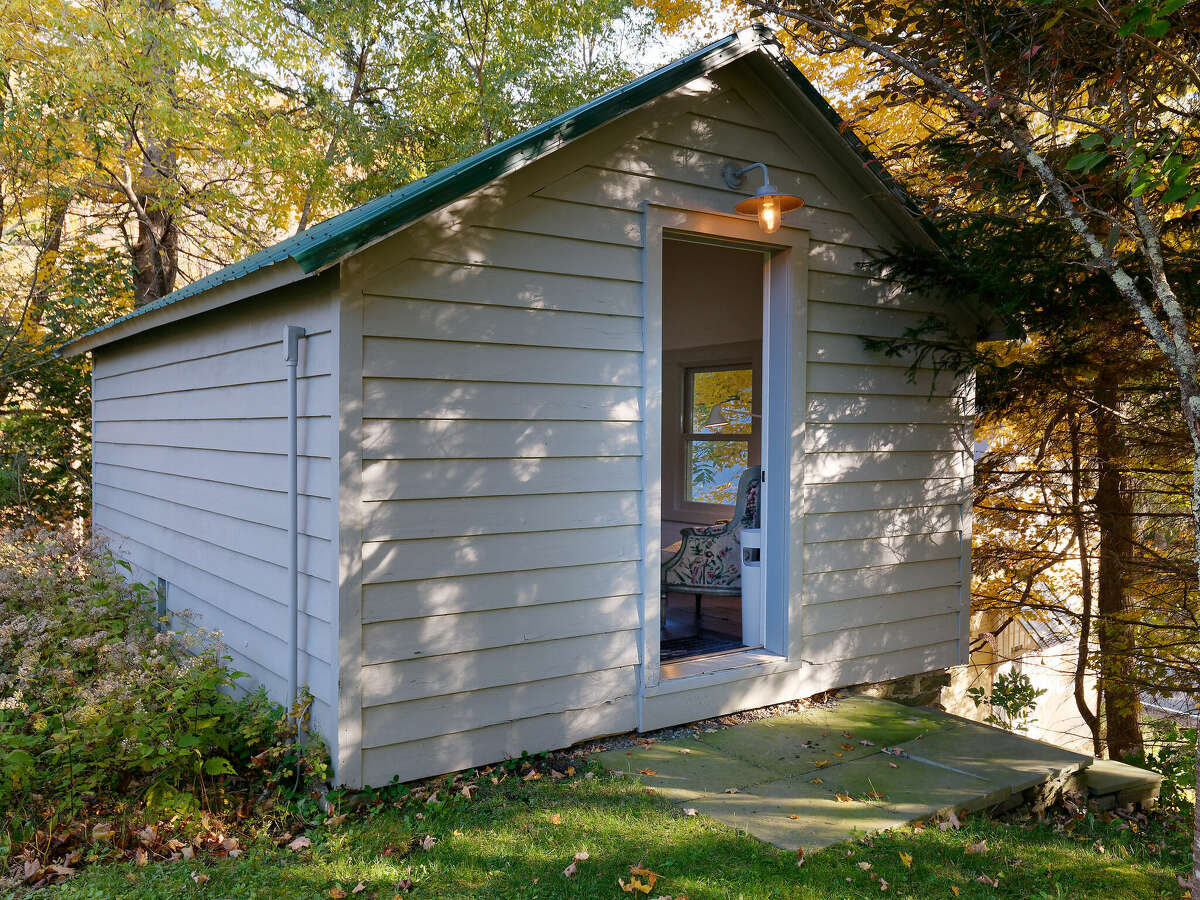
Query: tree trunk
x=156, y=251
x=1085, y=588
x=1114, y=516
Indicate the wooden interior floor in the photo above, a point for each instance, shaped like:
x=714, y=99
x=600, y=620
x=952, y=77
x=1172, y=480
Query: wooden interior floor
x=718, y=628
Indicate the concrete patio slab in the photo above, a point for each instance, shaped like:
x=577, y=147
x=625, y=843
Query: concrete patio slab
x=685, y=769
x=998, y=756
x=817, y=777
x=820, y=818
x=795, y=743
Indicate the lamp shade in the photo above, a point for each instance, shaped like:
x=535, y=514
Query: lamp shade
x=768, y=205
x=717, y=417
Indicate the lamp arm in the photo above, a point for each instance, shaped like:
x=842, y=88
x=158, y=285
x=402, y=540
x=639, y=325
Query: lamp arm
x=733, y=175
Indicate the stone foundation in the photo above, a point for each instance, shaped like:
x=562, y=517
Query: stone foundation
x=924, y=689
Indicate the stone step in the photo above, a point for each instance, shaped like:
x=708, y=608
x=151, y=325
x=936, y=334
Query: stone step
x=1110, y=783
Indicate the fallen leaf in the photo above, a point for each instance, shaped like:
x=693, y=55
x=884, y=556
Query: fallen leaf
x=581, y=856
x=867, y=743
x=981, y=847
x=843, y=798
x=555, y=819
x=102, y=832
x=816, y=781
x=731, y=790
x=864, y=865
x=336, y=893
x=187, y=852
x=466, y=790
x=847, y=734
x=404, y=886
x=647, y=772
x=148, y=835
x=533, y=776
x=689, y=811
x=555, y=774
x=359, y=888
x=229, y=844
x=883, y=885
x=821, y=763
x=335, y=821
x=892, y=765
x=874, y=795
x=141, y=857
x=570, y=771
x=983, y=879
x=793, y=816
x=588, y=776
x=300, y=843
x=955, y=889
x=428, y=842
x=199, y=877
x=569, y=870
x=684, y=750
x=906, y=858
x=837, y=753
x=847, y=746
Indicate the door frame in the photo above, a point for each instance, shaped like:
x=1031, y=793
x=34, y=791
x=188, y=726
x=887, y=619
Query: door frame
x=785, y=283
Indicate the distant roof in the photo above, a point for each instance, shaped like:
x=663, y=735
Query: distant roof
x=328, y=242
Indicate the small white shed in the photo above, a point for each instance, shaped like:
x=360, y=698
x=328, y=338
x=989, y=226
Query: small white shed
x=520, y=379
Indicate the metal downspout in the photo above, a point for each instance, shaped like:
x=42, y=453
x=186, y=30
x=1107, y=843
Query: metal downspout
x=291, y=342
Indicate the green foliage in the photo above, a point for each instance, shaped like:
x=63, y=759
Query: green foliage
x=1011, y=703
x=101, y=705
x=1171, y=752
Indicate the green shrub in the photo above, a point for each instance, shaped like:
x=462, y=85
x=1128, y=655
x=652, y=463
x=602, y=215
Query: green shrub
x=99, y=705
x=1012, y=702
x=1170, y=750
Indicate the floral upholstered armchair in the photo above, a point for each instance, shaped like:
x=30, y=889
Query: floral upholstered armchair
x=708, y=559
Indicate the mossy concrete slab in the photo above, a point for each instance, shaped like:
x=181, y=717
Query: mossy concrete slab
x=793, y=812
x=795, y=743
x=1124, y=783
x=771, y=764
x=913, y=789
x=685, y=768
x=996, y=756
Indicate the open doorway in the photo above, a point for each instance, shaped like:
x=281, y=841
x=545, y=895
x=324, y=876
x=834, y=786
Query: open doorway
x=712, y=439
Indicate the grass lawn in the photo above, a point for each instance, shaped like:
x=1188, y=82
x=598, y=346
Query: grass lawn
x=514, y=839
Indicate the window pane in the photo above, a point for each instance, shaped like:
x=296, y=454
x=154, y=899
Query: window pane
x=713, y=470
x=732, y=390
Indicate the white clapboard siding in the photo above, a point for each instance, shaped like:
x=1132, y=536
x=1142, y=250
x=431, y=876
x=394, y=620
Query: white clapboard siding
x=264, y=470
x=235, y=367
x=824, y=618
x=463, y=632
x=475, y=285
x=415, y=720
x=231, y=532
x=450, y=438
x=849, y=349
x=851, y=643
x=890, y=465
x=533, y=252
x=242, y=401
x=313, y=436
x=880, y=524
x=436, y=478
x=881, y=495
x=190, y=478
x=415, y=399
x=459, y=517
x=399, y=358
x=422, y=319
x=544, y=215
x=859, y=438
x=478, y=554
x=473, y=593
x=880, y=409
x=831, y=556
x=412, y=679
x=848, y=584
x=414, y=759
x=837, y=378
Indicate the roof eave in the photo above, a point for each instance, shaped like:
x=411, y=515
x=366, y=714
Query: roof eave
x=259, y=281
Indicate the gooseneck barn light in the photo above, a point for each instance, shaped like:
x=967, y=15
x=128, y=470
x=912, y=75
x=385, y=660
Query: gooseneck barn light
x=768, y=203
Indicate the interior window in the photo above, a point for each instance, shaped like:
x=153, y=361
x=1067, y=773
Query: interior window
x=717, y=430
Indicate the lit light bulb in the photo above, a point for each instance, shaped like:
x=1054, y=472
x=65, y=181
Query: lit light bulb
x=768, y=214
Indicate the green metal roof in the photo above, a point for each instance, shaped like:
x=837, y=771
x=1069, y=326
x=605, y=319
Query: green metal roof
x=331, y=240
